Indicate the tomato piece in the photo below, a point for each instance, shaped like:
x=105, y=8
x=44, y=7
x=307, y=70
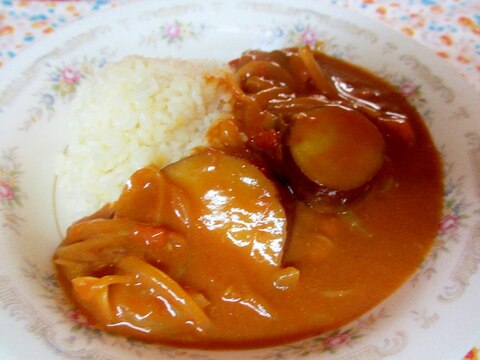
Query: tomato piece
x=267, y=140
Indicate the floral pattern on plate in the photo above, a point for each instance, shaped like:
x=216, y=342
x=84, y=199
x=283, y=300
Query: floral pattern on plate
x=11, y=194
x=457, y=209
x=63, y=82
x=330, y=342
x=175, y=32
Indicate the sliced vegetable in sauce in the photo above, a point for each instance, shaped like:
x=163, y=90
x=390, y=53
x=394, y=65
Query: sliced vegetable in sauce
x=336, y=147
x=235, y=203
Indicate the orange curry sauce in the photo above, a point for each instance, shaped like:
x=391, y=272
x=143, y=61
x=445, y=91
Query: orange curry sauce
x=315, y=201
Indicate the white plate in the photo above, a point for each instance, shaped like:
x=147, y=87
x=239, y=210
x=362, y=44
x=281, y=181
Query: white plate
x=434, y=316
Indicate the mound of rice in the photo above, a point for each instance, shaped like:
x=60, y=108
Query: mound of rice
x=133, y=113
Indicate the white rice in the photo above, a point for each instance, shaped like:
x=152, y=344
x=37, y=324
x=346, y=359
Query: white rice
x=133, y=113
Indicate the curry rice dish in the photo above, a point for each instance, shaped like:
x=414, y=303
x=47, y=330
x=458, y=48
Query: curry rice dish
x=310, y=196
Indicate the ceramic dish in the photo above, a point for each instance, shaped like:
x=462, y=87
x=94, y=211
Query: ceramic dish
x=434, y=315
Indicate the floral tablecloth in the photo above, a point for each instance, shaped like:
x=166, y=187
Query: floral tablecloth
x=450, y=28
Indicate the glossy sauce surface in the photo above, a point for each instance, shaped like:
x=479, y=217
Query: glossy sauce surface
x=255, y=241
